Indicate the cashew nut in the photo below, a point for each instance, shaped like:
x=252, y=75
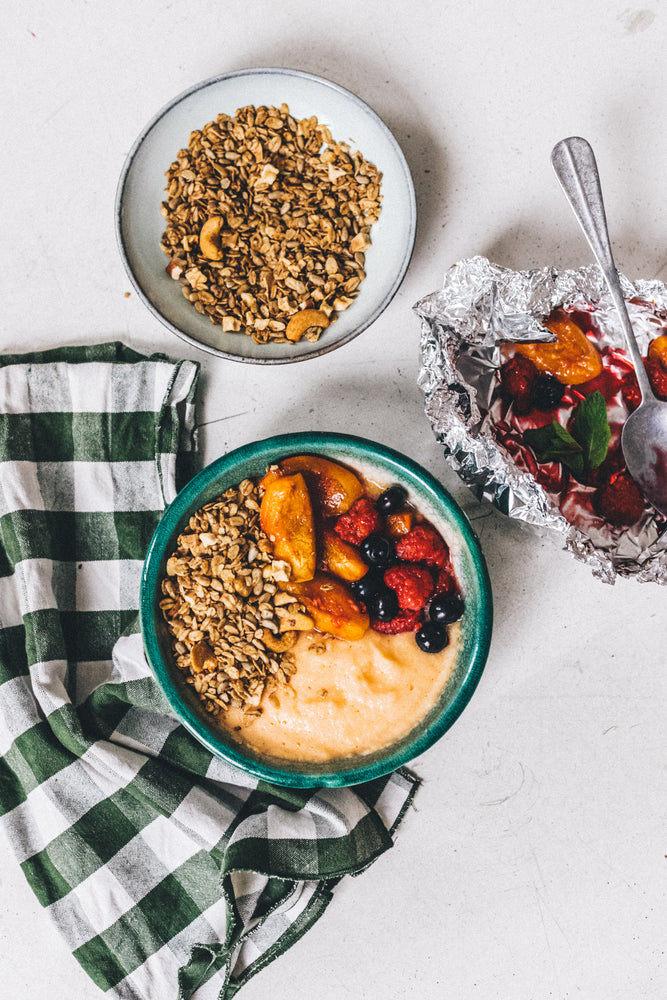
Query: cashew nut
x=303, y=320
x=202, y=657
x=288, y=620
x=209, y=237
x=281, y=598
x=281, y=643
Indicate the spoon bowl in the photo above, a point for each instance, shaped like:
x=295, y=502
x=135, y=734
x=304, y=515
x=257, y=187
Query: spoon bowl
x=644, y=444
x=644, y=435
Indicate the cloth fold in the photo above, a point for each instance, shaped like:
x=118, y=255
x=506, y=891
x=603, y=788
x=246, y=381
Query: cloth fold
x=164, y=867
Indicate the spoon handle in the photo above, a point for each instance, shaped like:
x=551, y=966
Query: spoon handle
x=574, y=163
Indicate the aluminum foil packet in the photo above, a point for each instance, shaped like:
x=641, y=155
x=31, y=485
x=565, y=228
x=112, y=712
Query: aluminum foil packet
x=479, y=307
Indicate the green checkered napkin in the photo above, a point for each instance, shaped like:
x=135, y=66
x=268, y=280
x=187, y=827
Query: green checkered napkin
x=168, y=871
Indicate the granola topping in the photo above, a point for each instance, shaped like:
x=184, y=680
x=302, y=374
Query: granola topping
x=267, y=215
x=232, y=628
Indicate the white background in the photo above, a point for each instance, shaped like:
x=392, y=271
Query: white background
x=534, y=862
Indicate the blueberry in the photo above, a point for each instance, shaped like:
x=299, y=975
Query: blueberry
x=391, y=500
x=547, y=392
x=378, y=550
x=383, y=605
x=369, y=584
x=446, y=608
x=431, y=637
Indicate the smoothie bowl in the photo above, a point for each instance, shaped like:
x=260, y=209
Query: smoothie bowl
x=316, y=608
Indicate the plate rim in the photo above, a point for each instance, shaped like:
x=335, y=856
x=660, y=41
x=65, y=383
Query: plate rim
x=266, y=71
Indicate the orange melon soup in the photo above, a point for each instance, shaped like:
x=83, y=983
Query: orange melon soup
x=347, y=698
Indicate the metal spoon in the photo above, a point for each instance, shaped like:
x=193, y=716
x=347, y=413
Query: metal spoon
x=644, y=435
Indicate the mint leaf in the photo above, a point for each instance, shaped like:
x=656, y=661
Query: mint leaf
x=590, y=428
x=582, y=450
x=553, y=443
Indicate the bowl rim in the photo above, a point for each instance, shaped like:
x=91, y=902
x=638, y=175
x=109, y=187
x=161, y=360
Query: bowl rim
x=150, y=580
x=209, y=348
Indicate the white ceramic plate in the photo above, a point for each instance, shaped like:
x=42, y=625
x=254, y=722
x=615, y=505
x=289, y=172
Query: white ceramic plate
x=140, y=224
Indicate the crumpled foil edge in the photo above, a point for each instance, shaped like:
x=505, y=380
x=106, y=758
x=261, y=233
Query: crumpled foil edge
x=478, y=305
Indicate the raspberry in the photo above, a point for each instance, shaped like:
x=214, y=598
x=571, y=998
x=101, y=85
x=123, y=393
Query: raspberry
x=620, y=501
x=413, y=585
x=423, y=544
x=408, y=621
x=657, y=376
x=612, y=464
x=361, y=520
x=517, y=377
x=445, y=582
x=630, y=391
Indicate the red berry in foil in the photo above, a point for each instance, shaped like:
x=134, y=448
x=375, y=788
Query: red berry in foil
x=657, y=376
x=620, y=501
x=517, y=377
x=630, y=391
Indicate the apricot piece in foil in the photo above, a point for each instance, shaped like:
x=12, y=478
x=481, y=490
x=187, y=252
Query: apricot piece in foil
x=286, y=516
x=339, y=557
x=657, y=350
x=334, y=488
x=332, y=607
x=572, y=358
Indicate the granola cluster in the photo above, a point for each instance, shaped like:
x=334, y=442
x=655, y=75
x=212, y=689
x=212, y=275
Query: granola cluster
x=266, y=216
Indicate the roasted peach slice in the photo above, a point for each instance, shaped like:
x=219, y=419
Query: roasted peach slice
x=572, y=359
x=286, y=515
x=339, y=557
x=331, y=606
x=272, y=473
x=334, y=488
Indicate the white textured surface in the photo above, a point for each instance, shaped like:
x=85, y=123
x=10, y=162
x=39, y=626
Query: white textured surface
x=533, y=863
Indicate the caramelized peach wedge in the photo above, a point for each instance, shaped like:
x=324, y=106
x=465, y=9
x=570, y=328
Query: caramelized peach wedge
x=332, y=607
x=339, y=557
x=334, y=487
x=286, y=515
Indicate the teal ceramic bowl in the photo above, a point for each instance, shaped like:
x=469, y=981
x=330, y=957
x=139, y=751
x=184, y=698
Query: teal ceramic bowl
x=430, y=498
